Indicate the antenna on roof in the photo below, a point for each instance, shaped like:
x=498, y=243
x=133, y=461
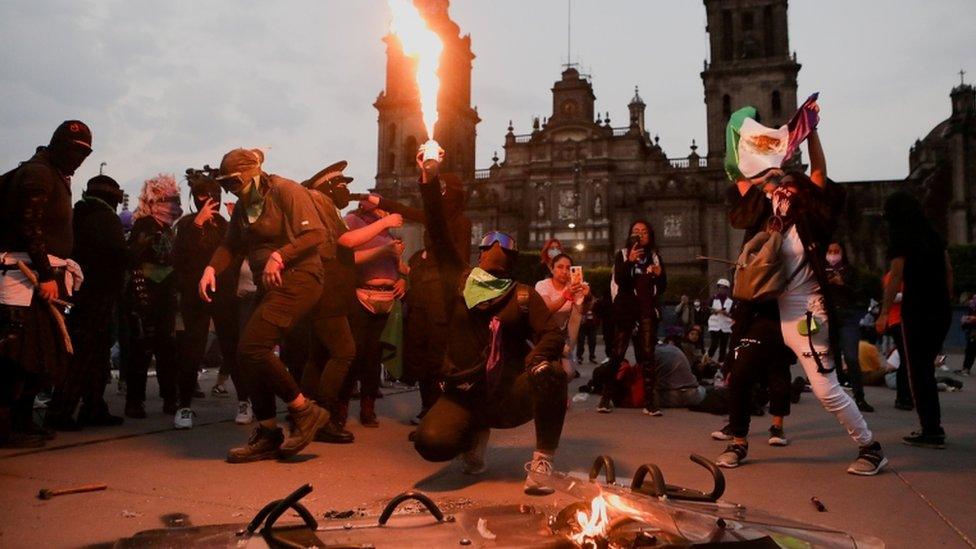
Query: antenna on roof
x=569, y=35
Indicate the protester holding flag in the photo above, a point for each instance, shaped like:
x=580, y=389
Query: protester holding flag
x=798, y=212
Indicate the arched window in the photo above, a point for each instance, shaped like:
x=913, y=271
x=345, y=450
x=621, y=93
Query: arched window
x=776, y=103
x=410, y=147
x=726, y=106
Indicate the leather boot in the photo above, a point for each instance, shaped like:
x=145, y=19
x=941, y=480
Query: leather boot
x=340, y=414
x=263, y=444
x=333, y=433
x=367, y=412
x=306, y=421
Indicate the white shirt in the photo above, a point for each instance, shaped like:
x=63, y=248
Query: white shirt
x=805, y=281
x=721, y=323
x=551, y=295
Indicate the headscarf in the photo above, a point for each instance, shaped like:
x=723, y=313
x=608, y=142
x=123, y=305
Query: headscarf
x=160, y=198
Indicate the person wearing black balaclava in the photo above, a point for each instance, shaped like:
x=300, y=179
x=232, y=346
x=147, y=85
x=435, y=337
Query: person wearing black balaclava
x=35, y=228
x=424, y=322
x=275, y=223
x=493, y=377
x=99, y=248
x=197, y=237
x=329, y=336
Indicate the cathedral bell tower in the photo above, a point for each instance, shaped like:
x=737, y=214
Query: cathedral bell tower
x=401, y=130
x=750, y=64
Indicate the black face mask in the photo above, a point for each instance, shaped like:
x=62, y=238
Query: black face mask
x=340, y=196
x=67, y=157
x=496, y=261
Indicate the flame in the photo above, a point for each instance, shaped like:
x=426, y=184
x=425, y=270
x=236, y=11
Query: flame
x=594, y=526
x=424, y=46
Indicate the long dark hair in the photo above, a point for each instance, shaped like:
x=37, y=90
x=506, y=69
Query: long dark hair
x=908, y=228
x=651, y=239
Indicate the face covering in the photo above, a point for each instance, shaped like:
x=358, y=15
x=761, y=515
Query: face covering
x=166, y=212
x=340, y=196
x=494, y=260
x=67, y=157
x=834, y=259
x=482, y=286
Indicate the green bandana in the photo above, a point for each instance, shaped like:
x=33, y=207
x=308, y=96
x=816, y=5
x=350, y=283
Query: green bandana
x=252, y=199
x=482, y=286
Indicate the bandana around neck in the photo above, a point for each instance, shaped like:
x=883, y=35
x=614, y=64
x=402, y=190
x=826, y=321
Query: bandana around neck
x=482, y=286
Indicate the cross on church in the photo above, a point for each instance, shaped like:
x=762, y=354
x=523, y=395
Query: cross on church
x=962, y=77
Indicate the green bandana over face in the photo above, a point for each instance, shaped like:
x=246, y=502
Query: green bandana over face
x=252, y=200
x=482, y=286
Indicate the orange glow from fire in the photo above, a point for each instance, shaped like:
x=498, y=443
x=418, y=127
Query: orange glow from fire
x=594, y=525
x=424, y=46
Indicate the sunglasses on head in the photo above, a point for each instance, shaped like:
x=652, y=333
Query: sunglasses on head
x=503, y=240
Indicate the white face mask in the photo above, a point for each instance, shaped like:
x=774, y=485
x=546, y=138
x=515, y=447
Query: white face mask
x=834, y=259
x=553, y=252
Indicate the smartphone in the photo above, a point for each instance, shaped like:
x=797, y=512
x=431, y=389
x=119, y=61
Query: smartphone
x=633, y=240
x=575, y=275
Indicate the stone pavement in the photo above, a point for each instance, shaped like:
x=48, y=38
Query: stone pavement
x=926, y=498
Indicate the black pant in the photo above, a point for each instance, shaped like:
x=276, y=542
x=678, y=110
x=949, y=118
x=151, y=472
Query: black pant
x=153, y=333
x=923, y=342
x=332, y=351
x=587, y=336
x=424, y=345
x=91, y=335
x=450, y=426
x=367, y=328
x=644, y=345
x=970, y=357
x=278, y=311
x=720, y=342
x=193, y=343
x=760, y=353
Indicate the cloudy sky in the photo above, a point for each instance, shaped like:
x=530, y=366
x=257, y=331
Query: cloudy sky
x=168, y=85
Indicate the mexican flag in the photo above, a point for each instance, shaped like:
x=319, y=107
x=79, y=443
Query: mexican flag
x=751, y=148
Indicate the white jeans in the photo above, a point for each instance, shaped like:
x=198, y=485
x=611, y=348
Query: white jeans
x=793, y=306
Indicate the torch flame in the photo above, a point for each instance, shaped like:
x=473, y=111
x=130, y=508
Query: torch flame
x=593, y=526
x=424, y=46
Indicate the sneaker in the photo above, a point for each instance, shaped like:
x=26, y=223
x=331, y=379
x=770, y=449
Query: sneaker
x=652, y=411
x=725, y=433
x=925, y=440
x=474, y=461
x=733, y=456
x=306, y=421
x=540, y=464
x=332, y=433
x=183, y=419
x=863, y=405
x=219, y=391
x=605, y=406
x=777, y=437
x=244, y=413
x=263, y=444
x=870, y=460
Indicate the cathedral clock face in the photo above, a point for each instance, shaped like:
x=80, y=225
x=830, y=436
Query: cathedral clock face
x=569, y=107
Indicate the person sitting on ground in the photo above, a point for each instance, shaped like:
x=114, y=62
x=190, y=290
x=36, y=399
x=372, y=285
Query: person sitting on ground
x=493, y=377
x=677, y=386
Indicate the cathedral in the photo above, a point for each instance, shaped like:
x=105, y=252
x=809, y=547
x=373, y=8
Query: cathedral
x=582, y=179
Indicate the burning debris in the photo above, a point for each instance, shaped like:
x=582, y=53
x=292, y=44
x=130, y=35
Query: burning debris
x=607, y=515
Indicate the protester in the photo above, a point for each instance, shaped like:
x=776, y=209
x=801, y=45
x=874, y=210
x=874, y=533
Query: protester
x=677, y=386
x=197, y=238
x=99, y=248
x=547, y=253
x=803, y=209
x=587, y=333
x=968, y=324
x=36, y=231
x=720, y=321
x=843, y=282
x=684, y=314
x=640, y=277
x=919, y=260
x=703, y=368
x=424, y=321
x=276, y=224
x=152, y=294
x=378, y=286
x=564, y=299
x=494, y=377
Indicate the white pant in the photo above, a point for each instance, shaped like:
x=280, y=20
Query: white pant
x=793, y=306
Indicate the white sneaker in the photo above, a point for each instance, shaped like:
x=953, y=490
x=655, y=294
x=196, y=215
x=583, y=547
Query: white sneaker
x=541, y=464
x=244, y=413
x=183, y=419
x=474, y=462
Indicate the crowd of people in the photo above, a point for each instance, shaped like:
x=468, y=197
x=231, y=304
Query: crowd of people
x=297, y=297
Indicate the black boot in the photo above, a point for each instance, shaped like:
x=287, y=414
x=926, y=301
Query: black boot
x=367, y=412
x=263, y=444
x=334, y=434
